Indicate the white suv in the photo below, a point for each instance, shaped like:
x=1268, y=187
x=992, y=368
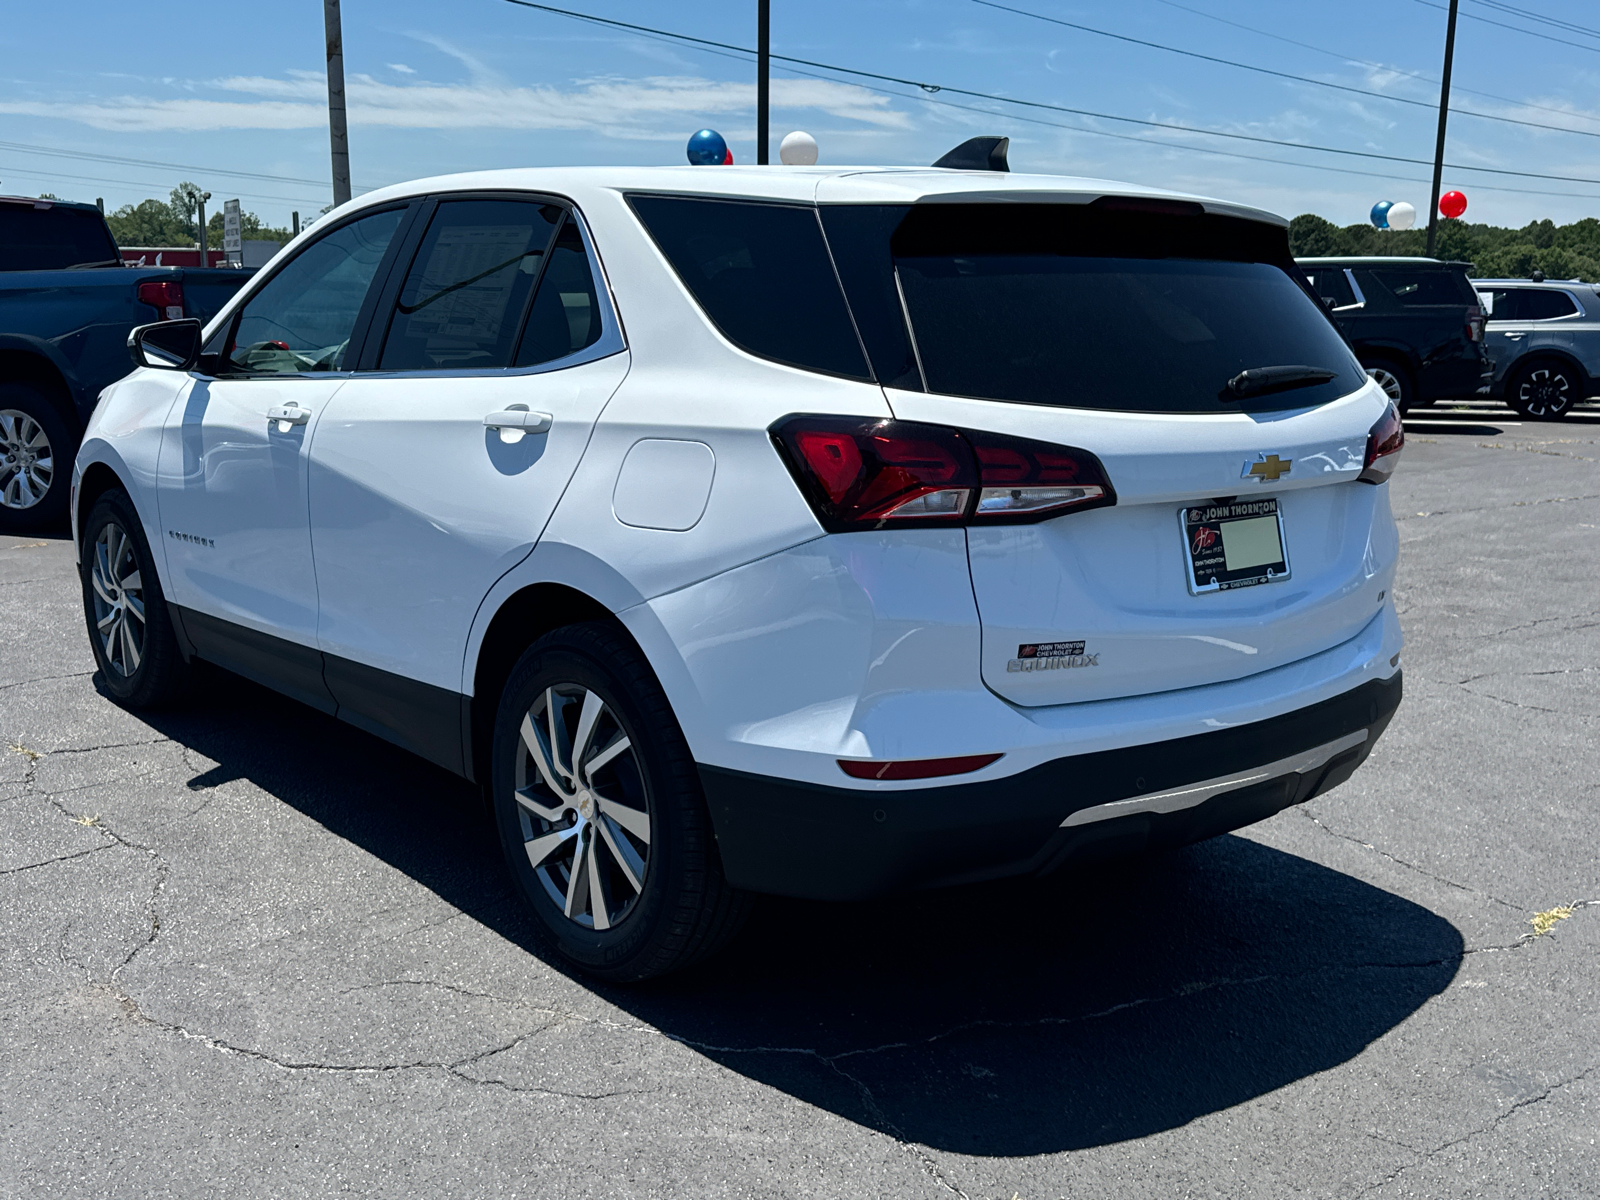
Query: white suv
x=806, y=531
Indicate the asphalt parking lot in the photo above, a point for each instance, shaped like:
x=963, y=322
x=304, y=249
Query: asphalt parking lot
x=249, y=951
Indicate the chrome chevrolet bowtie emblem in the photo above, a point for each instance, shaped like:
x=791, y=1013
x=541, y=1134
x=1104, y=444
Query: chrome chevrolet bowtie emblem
x=1267, y=468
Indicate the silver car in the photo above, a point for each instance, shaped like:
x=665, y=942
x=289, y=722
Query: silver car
x=1544, y=337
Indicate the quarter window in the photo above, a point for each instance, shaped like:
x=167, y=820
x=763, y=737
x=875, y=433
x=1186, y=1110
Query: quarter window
x=565, y=317
x=303, y=318
x=1332, y=286
x=464, y=298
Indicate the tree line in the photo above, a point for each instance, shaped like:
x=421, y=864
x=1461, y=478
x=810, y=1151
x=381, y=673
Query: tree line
x=1560, y=251
x=172, y=222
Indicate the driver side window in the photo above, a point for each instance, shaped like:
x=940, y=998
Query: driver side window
x=302, y=320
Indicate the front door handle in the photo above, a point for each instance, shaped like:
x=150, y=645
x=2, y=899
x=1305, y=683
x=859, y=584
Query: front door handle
x=520, y=419
x=288, y=415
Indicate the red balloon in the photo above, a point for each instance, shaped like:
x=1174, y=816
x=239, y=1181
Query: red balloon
x=728, y=162
x=1452, y=204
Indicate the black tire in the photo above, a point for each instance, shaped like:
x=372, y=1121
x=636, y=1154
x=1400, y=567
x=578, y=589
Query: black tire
x=1394, y=379
x=1544, y=390
x=140, y=663
x=661, y=902
x=36, y=447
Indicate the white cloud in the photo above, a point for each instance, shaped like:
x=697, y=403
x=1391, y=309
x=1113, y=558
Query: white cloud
x=402, y=68
x=645, y=108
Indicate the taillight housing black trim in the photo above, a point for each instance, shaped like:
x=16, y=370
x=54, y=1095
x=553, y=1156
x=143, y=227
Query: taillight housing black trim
x=862, y=473
x=1385, y=440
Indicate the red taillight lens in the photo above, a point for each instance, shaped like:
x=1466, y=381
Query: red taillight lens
x=1475, y=323
x=163, y=295
x=869, y=474
x=1385, y=440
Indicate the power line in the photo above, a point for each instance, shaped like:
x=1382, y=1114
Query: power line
x=120, y=160
x=1514, y=28
x=933, y=88
x=1376, y=66
x=27, y=173
x=1553, y=22
x=1323, y=83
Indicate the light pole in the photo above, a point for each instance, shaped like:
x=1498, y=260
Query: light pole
x=1444, y=113
x=338, y=137
x=763, y=71
x=200, y=226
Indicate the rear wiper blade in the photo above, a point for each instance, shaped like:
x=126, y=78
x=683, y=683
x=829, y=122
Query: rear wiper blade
x=1258, y=381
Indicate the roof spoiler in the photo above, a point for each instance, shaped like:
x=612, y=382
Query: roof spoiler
x=978, y=154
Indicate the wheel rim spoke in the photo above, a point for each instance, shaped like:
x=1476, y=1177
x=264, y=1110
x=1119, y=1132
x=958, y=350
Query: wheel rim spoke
x=539, y=751
x=592, y=708
x=626, y=858
x=631, y=819
x=597, y=892
x=541, y=848
x=546, y=812
x=605, y=756
x=577, y=884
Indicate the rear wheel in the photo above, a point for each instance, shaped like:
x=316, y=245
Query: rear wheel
x=129, y=627
x=1544, y=391
x=601, y=814
x=36, y=449
x=1395, y=381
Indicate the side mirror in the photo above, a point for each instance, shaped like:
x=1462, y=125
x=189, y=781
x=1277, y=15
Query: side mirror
x=167, y=345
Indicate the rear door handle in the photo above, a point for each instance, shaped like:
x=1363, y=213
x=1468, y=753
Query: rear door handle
x=520, y=418
x=287, y=415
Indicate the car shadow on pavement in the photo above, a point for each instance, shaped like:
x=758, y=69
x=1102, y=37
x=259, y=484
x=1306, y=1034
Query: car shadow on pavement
x=1007, y=1019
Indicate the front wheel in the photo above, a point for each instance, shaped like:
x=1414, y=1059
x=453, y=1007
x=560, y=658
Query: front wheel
x=601, y=814
x=1544, y=391
x=130, y=629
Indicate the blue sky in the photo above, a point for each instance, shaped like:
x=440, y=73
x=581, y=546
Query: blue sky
x=463, y=84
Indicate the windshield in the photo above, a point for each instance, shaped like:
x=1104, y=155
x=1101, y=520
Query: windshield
x=54, y=238
x=1134, y=311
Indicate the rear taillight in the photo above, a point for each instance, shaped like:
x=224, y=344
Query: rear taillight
x=871, y=474
x=163, y=295
x=1475, y=323
x=1385, y=440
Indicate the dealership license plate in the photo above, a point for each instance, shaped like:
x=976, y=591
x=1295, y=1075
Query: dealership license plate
x=1234, y=545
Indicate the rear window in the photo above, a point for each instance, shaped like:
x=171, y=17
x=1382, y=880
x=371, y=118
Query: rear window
x=763, y=275
x=1527, y=304
x=50, y=239
x=1416, y=288
x=1085, y=307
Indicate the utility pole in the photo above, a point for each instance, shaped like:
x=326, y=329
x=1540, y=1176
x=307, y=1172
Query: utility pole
x=763, y=73
x=338, y=137
x=200, y=226
x=1444, y=114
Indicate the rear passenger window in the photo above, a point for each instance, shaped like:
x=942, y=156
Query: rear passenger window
x=565, y=317
x=1332, y=286
x=468, y=288
x=1539, y=305
x=1415, y=288
x=763, y=275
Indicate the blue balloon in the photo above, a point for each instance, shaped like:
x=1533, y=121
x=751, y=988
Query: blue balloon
x=707, y=149
x=1380, y=213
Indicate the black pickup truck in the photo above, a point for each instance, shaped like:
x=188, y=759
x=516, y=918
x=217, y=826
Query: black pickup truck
x=1416, y=324
x=67, y=304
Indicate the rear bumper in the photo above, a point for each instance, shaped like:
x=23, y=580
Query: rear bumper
x=828, y=843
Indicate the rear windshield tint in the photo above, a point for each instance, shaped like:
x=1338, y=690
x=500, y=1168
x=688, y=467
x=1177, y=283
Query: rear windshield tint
x=1416, y=288
x=1082, y=307
x=762, y=274
x=49, y=239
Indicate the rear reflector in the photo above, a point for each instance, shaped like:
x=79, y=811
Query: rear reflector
x=872, y=474
x=163, y=295
x=916, y=768
x=1385, y=440
x=1475, y=321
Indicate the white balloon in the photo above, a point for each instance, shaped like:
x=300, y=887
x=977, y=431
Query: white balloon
x=1402, y=216
x=798, y=149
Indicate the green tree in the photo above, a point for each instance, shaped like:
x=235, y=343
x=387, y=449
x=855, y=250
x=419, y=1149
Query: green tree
x=172, y=223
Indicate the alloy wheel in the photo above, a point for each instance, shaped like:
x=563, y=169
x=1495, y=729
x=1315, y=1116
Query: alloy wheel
x=1545, y=393
x=583, y=805
x=119, y=615
x=27, y=465
x=1388, y=381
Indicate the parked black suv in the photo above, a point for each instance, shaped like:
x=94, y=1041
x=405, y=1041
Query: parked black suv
x=1416, y=324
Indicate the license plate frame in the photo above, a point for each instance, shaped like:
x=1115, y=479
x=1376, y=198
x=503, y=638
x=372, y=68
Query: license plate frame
x=1206, y=550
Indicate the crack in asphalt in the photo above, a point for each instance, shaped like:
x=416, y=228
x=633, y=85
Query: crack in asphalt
x=1427, y=1155
x=1400, y=862
x=45, y=679
x=50, y=862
